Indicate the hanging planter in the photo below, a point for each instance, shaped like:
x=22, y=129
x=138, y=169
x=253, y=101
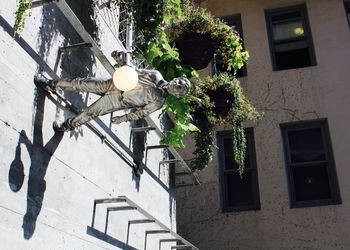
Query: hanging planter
x=195, y=49
x=197, y=35
x=222, y=100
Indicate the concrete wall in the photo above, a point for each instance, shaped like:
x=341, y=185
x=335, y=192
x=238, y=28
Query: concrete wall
x=48, y=181
x=288, y=95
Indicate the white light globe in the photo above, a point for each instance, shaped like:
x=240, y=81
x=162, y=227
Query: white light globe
x=125, y=78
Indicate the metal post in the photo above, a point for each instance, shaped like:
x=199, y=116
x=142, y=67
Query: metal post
x=129, y=37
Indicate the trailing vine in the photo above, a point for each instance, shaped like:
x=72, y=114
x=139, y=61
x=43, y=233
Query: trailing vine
x=241, y=110
x=20, y=15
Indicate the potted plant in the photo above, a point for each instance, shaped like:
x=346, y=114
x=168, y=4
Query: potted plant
x=221, y=101
x=197, y=35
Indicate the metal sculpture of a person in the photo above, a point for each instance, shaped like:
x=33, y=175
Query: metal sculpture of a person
x=148, y=96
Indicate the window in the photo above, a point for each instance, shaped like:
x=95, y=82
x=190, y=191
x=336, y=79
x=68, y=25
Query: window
x=347, y=9
x=236, y=24
x=237, y=194
x=290, y=38
x=310, y=165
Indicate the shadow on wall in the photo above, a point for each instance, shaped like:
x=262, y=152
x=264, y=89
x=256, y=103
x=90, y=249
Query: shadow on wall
x=166, y=125
x=40, y=156
x=75, y=63
x=138, y=148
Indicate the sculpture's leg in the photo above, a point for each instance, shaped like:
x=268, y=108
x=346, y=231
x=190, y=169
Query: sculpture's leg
x=84, y=85
x=104, y=105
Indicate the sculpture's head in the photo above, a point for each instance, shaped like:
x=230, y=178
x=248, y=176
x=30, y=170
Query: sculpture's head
x=179, y=86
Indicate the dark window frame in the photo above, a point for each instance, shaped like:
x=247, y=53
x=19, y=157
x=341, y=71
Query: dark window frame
x=235, y=18
x=347, y=10
x=306, y=25
x=328, y=162
x=221, y=135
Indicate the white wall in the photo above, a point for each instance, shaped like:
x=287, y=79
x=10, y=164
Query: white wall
x=67, y=172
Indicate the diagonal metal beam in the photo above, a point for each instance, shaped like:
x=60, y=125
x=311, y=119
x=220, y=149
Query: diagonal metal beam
x=72, y=18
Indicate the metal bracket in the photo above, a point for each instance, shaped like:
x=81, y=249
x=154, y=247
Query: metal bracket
x=131, y=222
x=75, y=46
x=154, y=232
x=167, y=240
x=182, y=247
x=42, y=3
x=111, y=209
x=139, y=130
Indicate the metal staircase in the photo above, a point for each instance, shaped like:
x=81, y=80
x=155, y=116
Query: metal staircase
x=122, y=203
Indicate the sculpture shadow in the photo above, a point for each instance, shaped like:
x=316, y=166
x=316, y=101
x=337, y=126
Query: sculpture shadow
x=74, y=62
x=138, y=144
x=40, y=156
x=167, y=124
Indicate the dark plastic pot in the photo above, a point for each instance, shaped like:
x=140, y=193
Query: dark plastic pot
x=223, y=101
x=195, y=49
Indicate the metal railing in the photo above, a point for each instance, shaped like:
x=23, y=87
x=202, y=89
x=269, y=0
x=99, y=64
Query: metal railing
x=122, y=203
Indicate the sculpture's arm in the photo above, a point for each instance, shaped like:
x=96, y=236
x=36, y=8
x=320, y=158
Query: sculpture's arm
x=138, y=113
x=155, y=75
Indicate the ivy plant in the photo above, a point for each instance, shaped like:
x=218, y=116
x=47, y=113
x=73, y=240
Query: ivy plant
x=195, y=113
x=162, y=56
x=20, y=15
x=241, y=110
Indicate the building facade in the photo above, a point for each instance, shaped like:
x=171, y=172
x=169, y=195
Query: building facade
x=295, y=191
x=79, y=189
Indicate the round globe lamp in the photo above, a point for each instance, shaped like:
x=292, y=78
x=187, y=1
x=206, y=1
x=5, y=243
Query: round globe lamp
x=125, y=78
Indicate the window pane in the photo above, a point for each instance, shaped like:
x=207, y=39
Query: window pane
x=292, y=59
x=233, y=24
x=287, y=30
x=306, y=145
x=239, y=190
x=311, y=183
x=290, y=38
x=292, y=46
x=347, y=9
x=285, y=16
x=228, y=152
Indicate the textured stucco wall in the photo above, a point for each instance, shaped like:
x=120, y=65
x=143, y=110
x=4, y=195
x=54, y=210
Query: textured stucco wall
x=289, y=95
x=48, y=181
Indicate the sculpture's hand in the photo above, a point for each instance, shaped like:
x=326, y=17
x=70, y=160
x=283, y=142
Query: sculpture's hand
x=119, y=119
x=119, y=57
